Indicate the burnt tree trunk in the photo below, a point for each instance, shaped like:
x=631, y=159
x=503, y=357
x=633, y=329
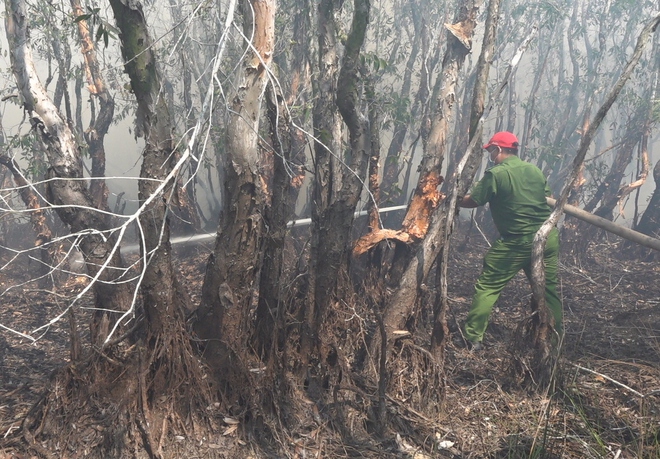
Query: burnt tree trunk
x=427, y=197
x=333, y=201
x=160, y=365
x=327, y=133
x=115, y=391
x=230, y=283
x=650, y=222
x=271, y=308
x=65, y=190
x=338, y=183
x=464, y=174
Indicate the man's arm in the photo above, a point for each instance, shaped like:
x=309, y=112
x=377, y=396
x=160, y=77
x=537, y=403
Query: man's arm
x=468, y=202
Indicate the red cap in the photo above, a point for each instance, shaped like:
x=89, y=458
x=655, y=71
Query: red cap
x=502, y=139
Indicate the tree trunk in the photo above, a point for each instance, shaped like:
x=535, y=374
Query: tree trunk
x=581, y=234
x=337, y=184
x=426, y=196
x=374, y=158
x=269, y=330
x=650, y=222
x=95, y=133
x=531, y=100
x=611, y=183
x=62, y=55
x=160, y=362
x=164, y=358
x=65, y=190
x=566, y=123
x=327, y=132
x=440, y=333
x=229, y=286
x=162, y=295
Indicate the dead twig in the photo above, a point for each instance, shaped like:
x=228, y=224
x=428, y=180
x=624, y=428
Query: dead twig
x=614, y=381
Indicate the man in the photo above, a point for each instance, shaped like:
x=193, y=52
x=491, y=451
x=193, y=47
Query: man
x=516, y=191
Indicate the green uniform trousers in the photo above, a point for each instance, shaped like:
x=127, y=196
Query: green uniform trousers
x=502, y=262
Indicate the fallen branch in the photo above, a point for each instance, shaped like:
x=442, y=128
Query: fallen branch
x=639, y=394
x=607, y=225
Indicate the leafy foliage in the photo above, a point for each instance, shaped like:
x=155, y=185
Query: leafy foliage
x=104, y=30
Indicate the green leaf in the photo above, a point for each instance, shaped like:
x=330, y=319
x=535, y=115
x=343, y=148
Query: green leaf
x=112, y=31
x=99, y=33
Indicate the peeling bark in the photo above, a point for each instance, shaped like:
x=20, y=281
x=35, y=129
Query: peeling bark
x=271, y=308
x=65, y=171
x=416, y=222
x=337, y=185
x=232, y=270
x=464, y=174
x=95, y=133
x=402, y=302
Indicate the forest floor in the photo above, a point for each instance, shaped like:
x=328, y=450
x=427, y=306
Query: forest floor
x=607, y=405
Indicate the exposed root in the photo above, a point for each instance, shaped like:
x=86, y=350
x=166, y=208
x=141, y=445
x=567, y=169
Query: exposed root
x=533, y=366
x=117, y=402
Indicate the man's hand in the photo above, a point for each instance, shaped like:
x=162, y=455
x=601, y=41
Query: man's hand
x=467, y=202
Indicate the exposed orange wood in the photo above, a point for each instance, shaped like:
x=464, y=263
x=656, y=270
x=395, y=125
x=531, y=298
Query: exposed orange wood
x=463, y=31
x=373, y=238
x=424, y=201
x=626, y=190
x=417, y=220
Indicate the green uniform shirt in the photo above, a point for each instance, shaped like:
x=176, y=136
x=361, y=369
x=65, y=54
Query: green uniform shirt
x=516, y=191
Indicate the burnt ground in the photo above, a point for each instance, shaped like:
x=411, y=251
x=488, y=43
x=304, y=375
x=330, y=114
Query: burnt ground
x=607, y=405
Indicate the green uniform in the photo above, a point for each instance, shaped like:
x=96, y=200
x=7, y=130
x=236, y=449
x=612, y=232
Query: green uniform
x=516, y=191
